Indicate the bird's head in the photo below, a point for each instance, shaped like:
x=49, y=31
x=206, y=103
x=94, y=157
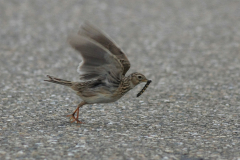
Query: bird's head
x=137, y=78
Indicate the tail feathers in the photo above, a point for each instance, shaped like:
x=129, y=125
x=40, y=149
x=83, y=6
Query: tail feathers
x=58, y=81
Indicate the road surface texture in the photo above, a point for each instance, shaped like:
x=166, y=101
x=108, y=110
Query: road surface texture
x=189, y=49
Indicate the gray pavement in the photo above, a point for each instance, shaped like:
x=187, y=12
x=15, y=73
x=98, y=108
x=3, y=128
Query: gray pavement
x=190, y=49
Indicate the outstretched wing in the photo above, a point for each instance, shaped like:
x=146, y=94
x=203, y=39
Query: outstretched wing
x=89, y=31
x=98, y=62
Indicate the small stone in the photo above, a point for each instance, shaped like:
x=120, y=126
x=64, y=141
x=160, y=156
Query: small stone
x=168, y=150
x=70, y=154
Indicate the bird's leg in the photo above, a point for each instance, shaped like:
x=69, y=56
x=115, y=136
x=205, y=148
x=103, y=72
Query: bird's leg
x=72, y=116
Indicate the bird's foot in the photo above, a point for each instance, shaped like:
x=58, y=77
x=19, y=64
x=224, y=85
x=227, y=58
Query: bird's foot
x=73, y=119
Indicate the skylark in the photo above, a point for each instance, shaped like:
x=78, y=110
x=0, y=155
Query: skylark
x=102, y=70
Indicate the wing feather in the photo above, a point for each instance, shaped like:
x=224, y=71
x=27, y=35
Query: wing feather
x=89, y=31
x=98, y=62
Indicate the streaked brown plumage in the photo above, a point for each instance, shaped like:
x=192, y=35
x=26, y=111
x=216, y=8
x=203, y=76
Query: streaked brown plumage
x=102, y=70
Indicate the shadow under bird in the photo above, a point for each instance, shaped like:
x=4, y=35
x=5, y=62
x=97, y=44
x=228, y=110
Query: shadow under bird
x=102, y=70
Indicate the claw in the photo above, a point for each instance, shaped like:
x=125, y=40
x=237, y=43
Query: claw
x=80, y=122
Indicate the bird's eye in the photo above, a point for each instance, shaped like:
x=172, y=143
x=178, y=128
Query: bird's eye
x=139, y=77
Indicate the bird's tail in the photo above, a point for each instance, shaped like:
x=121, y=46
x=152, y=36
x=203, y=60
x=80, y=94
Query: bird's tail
x=59, y=81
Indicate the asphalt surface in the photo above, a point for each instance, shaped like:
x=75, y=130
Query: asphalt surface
x=189, y=49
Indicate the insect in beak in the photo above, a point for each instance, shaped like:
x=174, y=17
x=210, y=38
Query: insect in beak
x=144, y=88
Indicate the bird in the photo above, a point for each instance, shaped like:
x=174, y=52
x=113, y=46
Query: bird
x=102, y=70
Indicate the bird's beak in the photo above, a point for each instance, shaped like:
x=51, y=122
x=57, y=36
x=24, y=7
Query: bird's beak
x=147, y=80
